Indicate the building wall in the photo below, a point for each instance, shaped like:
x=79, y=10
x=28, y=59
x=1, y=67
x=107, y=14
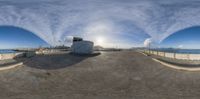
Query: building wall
x=82, y=47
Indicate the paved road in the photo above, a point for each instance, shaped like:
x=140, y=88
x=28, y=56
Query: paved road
x=111, y=75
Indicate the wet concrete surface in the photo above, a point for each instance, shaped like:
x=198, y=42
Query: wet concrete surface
x=110, y=75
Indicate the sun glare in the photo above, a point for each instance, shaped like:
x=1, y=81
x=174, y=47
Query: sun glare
x=100, y=41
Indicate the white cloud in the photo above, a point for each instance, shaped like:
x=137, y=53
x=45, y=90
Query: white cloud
x=148, y=42
x=99, y=28
x=180, y=46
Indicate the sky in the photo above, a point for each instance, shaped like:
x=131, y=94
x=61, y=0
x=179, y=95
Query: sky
x=12, y=37
x=122, y=23
x=186, y=39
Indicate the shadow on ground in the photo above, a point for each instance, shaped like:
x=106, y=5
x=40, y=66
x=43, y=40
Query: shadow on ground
x=51, y=62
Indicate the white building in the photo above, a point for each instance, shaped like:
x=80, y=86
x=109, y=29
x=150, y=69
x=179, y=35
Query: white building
x=80, y=46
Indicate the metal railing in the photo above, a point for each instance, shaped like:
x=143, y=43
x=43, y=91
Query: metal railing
x=173, y=55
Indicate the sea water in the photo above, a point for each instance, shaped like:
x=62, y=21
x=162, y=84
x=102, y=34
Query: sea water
x=187, y=51
x=5, y=51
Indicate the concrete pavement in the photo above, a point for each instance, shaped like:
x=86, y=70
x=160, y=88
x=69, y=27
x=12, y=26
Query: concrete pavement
x=111, y=75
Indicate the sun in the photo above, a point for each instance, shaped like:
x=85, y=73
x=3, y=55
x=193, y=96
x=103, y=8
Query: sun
x=100, y=41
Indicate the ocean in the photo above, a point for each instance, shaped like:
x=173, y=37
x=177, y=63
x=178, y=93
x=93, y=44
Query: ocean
x=188, y=51
x=5, y=51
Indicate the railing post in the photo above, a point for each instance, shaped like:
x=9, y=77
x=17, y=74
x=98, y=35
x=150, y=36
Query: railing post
x=157, y=53
x=174, y=55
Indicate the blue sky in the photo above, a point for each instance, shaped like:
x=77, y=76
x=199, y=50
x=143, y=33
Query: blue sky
x=12, y=37
x=188, y=38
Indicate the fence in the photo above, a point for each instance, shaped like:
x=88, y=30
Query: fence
x=174, y=55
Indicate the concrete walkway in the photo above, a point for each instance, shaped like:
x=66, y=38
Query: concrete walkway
x=111, y=75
